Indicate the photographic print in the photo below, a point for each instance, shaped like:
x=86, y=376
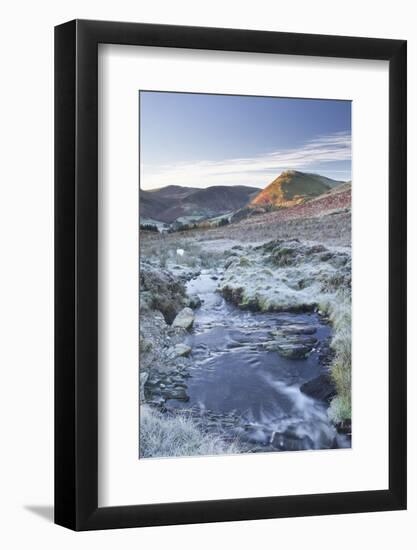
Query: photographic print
x=244, y=275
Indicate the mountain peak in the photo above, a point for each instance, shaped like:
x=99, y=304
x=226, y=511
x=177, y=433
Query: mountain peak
x=292, y=187
x=290, y=173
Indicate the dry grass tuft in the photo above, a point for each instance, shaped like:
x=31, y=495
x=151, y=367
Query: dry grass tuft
x=162, y=436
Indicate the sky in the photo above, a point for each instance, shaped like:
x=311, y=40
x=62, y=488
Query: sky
x=199, y=140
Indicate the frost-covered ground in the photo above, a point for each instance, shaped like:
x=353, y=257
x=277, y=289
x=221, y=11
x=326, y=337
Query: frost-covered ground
x=286, y=275
x=178, y=436
x=293, y=265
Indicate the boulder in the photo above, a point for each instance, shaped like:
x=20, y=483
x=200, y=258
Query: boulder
x=182, y=350
x=194, y=301
x=184, y=319
x=321, y=387
x=176, y=334
x=162, y=291
x=345, y=427
x=298, y=329
x=293, y=350
x=176, y=393
x=290, y=441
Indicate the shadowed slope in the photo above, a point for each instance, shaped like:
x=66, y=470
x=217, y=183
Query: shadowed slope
x=170, y=203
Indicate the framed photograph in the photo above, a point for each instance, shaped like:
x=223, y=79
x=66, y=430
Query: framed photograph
x=230, y=247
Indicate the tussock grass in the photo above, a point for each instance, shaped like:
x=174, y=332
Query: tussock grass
x=340, y=409
x=339, y=311
x=162, y=436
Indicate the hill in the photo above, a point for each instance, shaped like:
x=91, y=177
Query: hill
x=171, y=192
x=167, y=204
x=221, y=198
x=292, y=187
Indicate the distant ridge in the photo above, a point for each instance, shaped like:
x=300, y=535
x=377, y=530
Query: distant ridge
x=170, y=203
x=172, y=192
x=293, y=187
x=178, y=203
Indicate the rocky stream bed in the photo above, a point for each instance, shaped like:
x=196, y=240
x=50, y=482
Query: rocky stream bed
x=242, y=366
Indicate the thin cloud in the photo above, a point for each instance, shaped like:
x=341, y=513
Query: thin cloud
x=256, y=171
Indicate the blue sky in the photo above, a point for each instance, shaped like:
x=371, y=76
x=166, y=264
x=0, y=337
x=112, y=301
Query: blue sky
x=199, y=140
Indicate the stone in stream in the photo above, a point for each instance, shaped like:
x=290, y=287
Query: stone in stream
x=293, y=350
x=178, y=393
x=194, y=301
x=182, y=350
x=156, y=401
x=294, y=332
x=184, y=319
x=290, y=441
x=345, y=427
x=321, y=387
x=298, y=329
x=176, y=335
x=293, y=341
x=306, y=340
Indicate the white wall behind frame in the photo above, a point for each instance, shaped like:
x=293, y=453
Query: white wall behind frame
x=26, y=220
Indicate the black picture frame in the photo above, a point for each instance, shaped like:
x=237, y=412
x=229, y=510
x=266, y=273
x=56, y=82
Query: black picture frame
x=76, y=272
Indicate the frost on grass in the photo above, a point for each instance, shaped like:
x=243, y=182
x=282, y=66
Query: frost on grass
x=286, y=276
x=178, y=252
x=162, y=436
x=340, y=314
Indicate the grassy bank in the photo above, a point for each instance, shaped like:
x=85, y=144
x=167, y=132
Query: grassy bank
x=180, y=435
x=340, y=314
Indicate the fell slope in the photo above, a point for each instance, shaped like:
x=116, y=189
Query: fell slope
x=291, y=188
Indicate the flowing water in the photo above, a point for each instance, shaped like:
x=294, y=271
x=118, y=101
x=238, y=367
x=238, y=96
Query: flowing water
x=246, y=390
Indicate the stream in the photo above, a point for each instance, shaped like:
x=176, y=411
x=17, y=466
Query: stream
x=245, y=390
